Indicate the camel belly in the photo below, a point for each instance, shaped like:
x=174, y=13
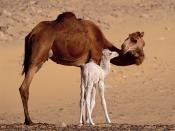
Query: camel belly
x=71, y=56
x=70, y=62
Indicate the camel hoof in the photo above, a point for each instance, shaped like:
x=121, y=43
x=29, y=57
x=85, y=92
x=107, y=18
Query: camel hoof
x=29, y=123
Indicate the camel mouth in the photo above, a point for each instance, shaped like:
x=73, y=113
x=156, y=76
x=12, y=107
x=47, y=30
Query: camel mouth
x=134, y=56
x=133, y=52
x=126, y=51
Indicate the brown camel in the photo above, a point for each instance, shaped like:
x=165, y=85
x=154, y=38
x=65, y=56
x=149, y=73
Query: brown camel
x=71, y=41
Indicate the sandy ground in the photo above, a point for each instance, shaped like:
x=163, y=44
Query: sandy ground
x=135, y=94
x=99, y=127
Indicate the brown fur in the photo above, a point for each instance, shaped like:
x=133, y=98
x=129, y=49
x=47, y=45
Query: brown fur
x=73, y=42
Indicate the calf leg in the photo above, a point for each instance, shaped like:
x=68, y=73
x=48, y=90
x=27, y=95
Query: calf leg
x=92, y=102
x=103, y=101
x=88, y=98
x=82, y=104
x=93, y=93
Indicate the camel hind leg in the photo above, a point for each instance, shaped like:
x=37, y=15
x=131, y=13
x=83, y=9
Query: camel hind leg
x=82, y=93
x=24, y=89
x=39, y=55
x=24, y=92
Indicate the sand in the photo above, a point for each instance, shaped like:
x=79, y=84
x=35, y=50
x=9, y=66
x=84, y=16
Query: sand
x=135, y=94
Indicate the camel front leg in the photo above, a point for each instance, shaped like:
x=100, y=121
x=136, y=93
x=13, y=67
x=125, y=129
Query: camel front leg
x=103, y=101
x=24, y=92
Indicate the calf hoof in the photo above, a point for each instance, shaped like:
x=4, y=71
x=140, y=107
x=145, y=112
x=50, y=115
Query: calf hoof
x=80, y=124
x=108, y=121
x=92, y=123
x=87, y=121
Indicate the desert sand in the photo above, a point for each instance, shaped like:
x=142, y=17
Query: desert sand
x=135, y=94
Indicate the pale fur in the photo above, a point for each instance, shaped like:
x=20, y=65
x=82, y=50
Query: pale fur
x=92, y=75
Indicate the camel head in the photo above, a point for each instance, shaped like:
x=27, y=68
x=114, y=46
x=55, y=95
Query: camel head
x=133, y=45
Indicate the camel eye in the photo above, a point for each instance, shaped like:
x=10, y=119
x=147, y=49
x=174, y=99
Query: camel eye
x=134, y=40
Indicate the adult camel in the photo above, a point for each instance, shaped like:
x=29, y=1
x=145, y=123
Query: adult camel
x=71, y=41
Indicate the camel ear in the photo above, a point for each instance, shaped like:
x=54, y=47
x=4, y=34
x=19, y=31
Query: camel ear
x=141, y=34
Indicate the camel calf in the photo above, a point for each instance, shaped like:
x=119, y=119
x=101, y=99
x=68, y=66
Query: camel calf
x=92, y=74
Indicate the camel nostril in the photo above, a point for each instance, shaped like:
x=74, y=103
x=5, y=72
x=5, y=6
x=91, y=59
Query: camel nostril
x=123, y=46
x=125, y=50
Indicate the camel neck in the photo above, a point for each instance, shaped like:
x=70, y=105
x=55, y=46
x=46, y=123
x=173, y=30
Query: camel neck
x=105, y=65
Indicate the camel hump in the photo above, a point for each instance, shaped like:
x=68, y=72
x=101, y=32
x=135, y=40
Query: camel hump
x=66, y=15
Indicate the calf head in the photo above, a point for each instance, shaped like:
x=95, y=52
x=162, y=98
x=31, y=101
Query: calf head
x=108, y=55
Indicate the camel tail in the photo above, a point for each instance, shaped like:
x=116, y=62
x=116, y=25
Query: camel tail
x=27, y=55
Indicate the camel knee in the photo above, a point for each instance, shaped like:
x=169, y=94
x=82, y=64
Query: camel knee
x=24, y=90
x=87, y=100
x=101, y=84
x=21, y=90
x=24, y=93
x=101, y=88
x=81, y=103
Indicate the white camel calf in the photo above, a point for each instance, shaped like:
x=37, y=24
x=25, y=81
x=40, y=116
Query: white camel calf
x=92, y=75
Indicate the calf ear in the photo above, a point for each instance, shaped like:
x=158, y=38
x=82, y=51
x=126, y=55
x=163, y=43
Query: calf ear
x=141, y=34
x=103, y=51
